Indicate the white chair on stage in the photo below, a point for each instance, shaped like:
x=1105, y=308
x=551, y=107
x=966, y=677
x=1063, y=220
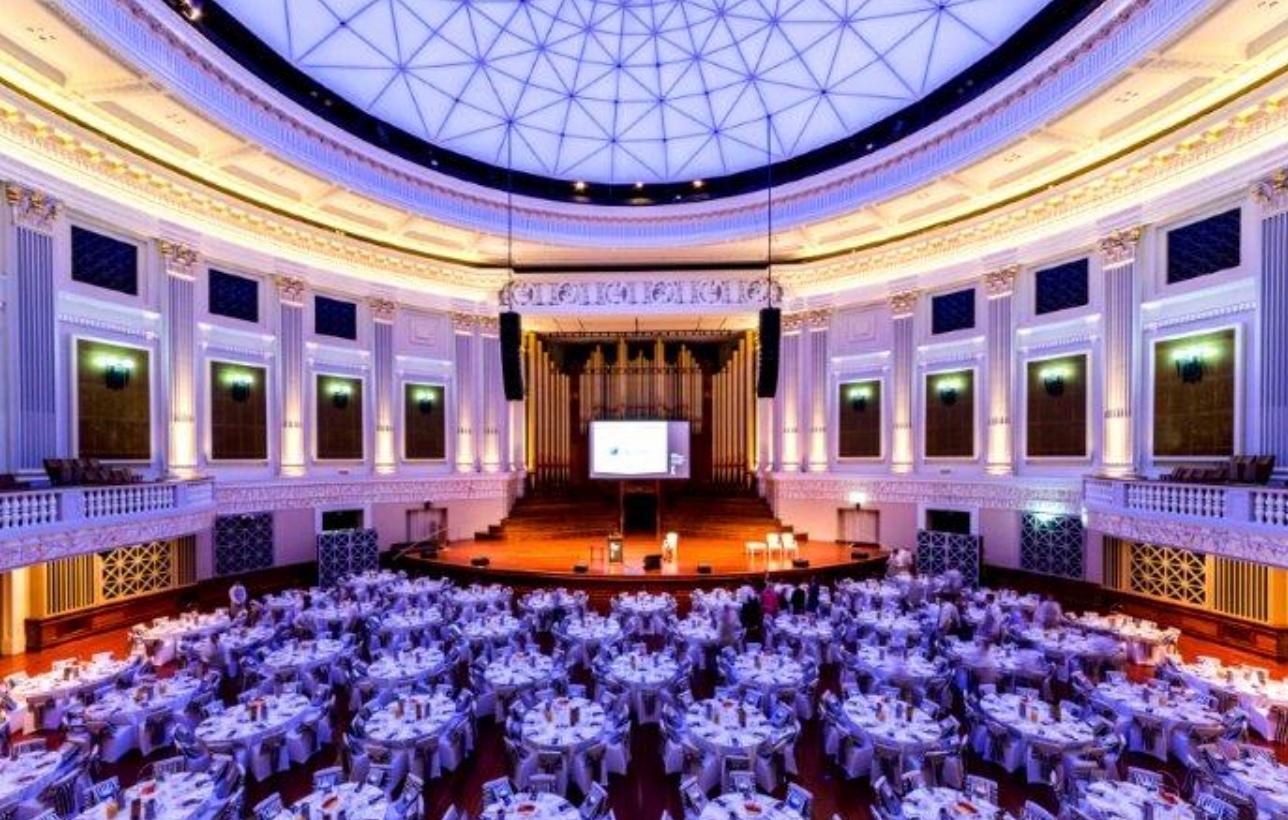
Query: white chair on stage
x=754, y=548
x=773, y=543
x=790, y=547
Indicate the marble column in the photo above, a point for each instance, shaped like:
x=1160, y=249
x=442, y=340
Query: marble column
x=33, y=220
x=1271, y=195
x=383, y=312
x=180, y=265
x=290, y=339
x=1118, y=255
x=465, y=328
x=903, y=309
x=999, y=287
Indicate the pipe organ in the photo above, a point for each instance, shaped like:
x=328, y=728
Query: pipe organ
x=705, y=379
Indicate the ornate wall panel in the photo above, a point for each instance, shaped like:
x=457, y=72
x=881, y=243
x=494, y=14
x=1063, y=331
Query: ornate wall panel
x=345, y=552
x=113, y=402
x=1056, y=392
x=1194, y=395
x=1167, y=572
x=1052, y=545
x=339, y=418
x=238, y=412
x=939, y=552
x=243, y=543
x=950, y=414
x=140, y=569
x=424, y=421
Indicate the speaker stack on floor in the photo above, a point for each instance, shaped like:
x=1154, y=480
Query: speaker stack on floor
x=511, y=333
x=771, y=327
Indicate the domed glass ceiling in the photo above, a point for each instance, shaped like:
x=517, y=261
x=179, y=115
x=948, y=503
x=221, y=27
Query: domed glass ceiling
x=632, y=91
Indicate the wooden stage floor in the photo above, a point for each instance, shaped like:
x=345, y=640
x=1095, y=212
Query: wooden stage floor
x=552, y=558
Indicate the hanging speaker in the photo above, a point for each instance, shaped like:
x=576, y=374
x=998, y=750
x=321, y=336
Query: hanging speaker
x=771, y=325
x=511, y=361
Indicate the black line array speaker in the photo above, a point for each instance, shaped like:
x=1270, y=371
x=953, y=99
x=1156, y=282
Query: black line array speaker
x=511, y=358
x=771, y=326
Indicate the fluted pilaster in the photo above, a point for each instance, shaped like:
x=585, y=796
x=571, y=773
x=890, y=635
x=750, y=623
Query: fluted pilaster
x=290, y=340
x=1271, y=196
x=1118, y=254
x=903, y=308
x=33, y=221
x=999, y=287
x=181, y=264
x=383, y=313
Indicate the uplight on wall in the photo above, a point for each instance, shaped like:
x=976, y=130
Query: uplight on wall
x=948, y=389
x=858, y=395
x=425, y=401
x=1053, y=379
x=339, y=393
x=858, y=498
x=116, y=370
x=1192, y=360
x=240, y=383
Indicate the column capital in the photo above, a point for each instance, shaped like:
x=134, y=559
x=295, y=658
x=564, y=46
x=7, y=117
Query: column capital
x=290, y=290
x=32, y=209
x=1001, y=282
x=1271, y=193
x=178, y=259
x=903, y=304
x=817, y=319
x=1120, y=246
x=383, y=310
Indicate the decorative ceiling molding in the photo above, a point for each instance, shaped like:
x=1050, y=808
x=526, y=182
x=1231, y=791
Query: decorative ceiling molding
x=179, y=260
x=1001, y=282
x=150, y=36
x=904, y=303
x=1119, y=248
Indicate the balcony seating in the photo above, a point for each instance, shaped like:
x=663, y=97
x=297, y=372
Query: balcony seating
x=1238, y=470
x=73, y=472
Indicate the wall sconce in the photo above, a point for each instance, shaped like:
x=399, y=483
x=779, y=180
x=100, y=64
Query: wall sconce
x=239, y=386
x=340, y=393
x=116, y=371
x=1053, y=380
x=948, y=390
x=1191, y=362
x=858, y=396
x=425, y=402
x=858, y=498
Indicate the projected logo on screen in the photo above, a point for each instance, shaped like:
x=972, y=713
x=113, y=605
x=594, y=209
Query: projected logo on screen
x=639, y=449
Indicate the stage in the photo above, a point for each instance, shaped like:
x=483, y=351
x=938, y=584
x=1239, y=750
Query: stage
x=549, y=562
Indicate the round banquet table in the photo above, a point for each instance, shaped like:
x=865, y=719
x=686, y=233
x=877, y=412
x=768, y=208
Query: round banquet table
x=543, y=602
x=1178, y=711
x=651, y=609
x=410, y=620
x=131, y=706
x=592, y=630
x=727, y=727
x=893, y=722
x=407, y=667
x=341, y=615
x=817, y=634
x=411, y=721
x=884, y=664
x=491, y=629
x=429, y=588
x=358, y=801
x=768, y=671
x=303, y=656
x=1266, y=780
x=242, y=638
x=163, y=637
x=1035, y=720
x=712, y=601
x=25, y=777
x=174, y=796
x=752, y=807
x=696, y=629
x=1126, y=800
x=1254, y=690
x=991, y=662
x=884, y=622
x=524, y=806
x=1067, y=645
x=936, y=803
x=477, y=596
x=566, y=724
x=519, y=670
x=234, y=727
x=644, y=670
x=71, y=679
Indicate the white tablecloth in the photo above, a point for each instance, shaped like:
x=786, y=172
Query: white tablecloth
x=358, y=801
x=893, y=722
x=550, y=725
x=727, y=726
x=519, y=670
x=25, y=777
x=179, y=796
x=755, y=807
x=883, y=664
x=931, y=803
x=648, y=670
x=491, y=629
x=1255, y=691
x=409, y=666
x=1265, y=780
x=1126, y=800
x=532, y=807
x=397, y=723
x=164, y=636
x=410, y=620
x=234, y=727
x=768, y=671
x=303, y=656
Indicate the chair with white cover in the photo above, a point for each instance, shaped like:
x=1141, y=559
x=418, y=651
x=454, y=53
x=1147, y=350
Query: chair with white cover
x=693, y=797
x=788, y=542
x=754, y=548
x=773, y=543
x=799, y=799
x=733, y=767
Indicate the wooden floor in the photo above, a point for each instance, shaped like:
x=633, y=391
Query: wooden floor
x=556, y=556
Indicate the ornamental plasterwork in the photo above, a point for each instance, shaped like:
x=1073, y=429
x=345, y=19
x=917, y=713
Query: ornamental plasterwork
x=1008, y=495
x=290, y=290
x=471, y=322
x=23, y=549
x=1224, y=540
x=296, y=493
x=180, y=260
x=1001, y=282
x=808, y=319
x=904, y=304
x=1271, y=193
x=635, y=293
x=32, y=209
x=1119, y=248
